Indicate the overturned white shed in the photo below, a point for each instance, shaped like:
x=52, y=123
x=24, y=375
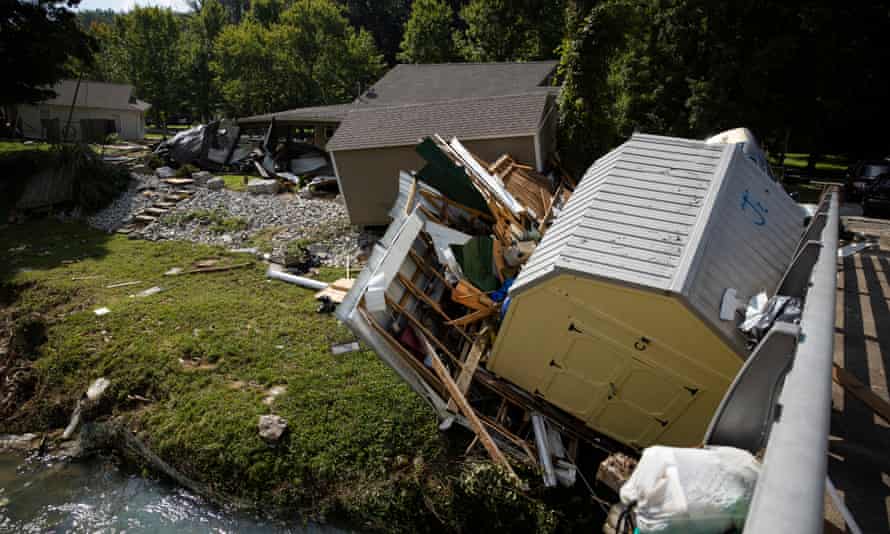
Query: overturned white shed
x=616, y=316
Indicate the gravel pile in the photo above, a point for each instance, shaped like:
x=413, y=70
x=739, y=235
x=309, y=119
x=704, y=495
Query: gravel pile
x=122, y=209
x=242, y=220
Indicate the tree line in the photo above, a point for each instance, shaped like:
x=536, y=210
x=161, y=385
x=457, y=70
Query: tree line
x=804, y=75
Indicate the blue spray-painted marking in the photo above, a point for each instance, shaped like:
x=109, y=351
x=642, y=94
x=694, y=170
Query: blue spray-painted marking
x=758, y=209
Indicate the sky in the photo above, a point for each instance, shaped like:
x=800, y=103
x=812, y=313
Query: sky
x=126, y=5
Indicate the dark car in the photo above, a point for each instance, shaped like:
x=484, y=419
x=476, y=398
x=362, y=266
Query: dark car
x=861, y=175
x=876, y=196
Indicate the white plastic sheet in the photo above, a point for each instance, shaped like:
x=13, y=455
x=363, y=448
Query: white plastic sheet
x=696, y=491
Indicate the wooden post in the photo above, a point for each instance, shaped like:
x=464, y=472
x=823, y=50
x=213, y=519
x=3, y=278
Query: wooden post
x=496, y=455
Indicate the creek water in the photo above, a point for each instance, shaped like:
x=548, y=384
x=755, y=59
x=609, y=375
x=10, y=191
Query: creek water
x=98, y=496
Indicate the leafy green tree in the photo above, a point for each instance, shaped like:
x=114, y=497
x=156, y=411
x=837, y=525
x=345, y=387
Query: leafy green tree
x=150, y=36
x=246, y=67
x=312, y=56
x=695, y=67
x=38, y=40
x=266, y=12
x=110, y=59
x=510, y=30
x=197, y=45
x=384, y=19
x=427, y=37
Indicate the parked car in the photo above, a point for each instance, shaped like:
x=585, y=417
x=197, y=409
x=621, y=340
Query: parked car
x=876, y=196
x=861, y=175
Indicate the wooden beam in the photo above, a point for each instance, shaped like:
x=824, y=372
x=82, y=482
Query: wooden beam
x=425, y=266
x=411, y=195
x=471, y=318
x=850, y=383
x=469, y=369
x=407, y=356
x=422, y=329
x=493, y=451
x=416, y=291
x=450, y=203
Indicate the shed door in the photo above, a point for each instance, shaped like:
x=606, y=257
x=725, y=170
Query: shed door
x=598, y=375
x=643, y=402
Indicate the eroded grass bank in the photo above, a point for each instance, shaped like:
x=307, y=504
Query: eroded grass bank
x=191, y=369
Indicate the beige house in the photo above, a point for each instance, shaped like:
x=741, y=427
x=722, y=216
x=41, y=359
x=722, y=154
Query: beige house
x=99, y=109
x=493, y=108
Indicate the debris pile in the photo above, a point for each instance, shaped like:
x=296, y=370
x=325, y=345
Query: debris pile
x=280, y=163
x=435, y=288
x=560, y=320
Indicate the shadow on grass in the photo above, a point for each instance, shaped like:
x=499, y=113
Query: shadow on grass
x=44, y=244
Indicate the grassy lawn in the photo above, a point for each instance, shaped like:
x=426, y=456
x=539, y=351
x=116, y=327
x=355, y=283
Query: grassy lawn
x=360, y=445
x=236, y=182
x=825, y=163
x=8, y=147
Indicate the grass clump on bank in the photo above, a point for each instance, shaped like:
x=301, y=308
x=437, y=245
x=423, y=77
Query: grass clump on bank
x=217, y=221
x=191, y=370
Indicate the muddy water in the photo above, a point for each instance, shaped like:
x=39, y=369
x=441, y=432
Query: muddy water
x=97, y=496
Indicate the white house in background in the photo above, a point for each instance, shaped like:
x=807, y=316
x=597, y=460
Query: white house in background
x=99, y=109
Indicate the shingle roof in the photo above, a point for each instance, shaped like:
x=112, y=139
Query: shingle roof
x=467, y=119
x=420, y=83
x=334, y=113
x=96, y=95
x=415, y=83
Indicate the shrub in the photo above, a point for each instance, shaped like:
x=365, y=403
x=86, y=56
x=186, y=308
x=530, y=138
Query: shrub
x=153, y=161
x=96, y=183
x=186, y=171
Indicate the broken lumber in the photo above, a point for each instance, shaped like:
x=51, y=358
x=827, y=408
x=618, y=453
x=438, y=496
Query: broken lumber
x=218, y=268
x=496, y=455
x=850, y=383
x=469, y=369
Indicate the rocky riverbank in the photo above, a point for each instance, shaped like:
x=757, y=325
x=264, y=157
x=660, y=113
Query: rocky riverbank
x=237, y=219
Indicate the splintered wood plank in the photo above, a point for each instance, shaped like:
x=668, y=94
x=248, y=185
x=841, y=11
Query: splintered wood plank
x=471, y=318
x=469, y=369
x=478, y=428
x=178, y=181
x=420, y=328
x=862, y=392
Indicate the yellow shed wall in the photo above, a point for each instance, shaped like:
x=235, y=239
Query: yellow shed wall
x=589, y=357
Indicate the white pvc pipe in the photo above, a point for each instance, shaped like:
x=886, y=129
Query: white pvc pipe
x=298, y=280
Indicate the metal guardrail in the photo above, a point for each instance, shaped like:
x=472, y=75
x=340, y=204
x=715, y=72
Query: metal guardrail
x=790, y=491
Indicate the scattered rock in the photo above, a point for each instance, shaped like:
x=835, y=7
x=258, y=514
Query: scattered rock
x=276, y=219
x=273, y=392
x=272, y=427
x=97, y=389
x=202, y=177
x=215, y=184
x=20, y=443
x=259, y=186
x=165, y=172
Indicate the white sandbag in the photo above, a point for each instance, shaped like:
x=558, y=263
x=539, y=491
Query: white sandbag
x=698, y=491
